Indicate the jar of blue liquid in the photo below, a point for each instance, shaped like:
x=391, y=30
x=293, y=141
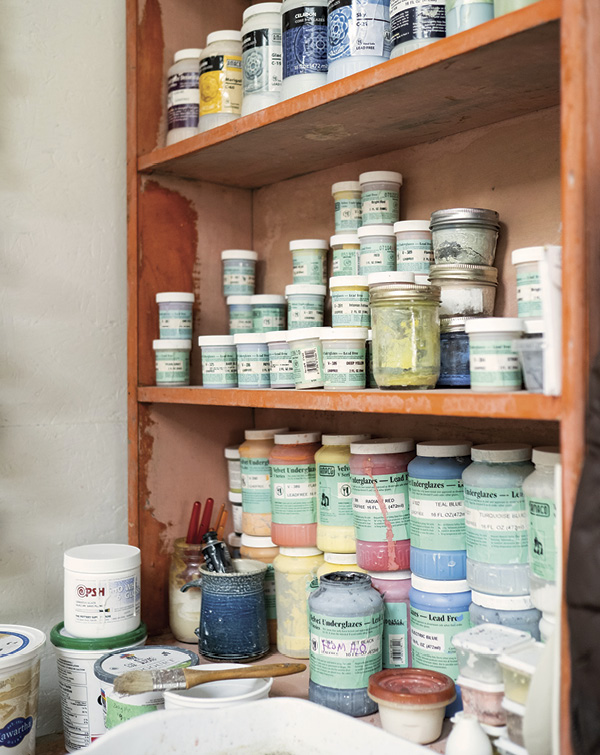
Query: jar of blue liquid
x=437, y=514
x=454, y=353
x=346, y=630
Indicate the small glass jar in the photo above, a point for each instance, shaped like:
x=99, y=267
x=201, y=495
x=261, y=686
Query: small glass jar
x=309, y=258
x=307, y=357
x=516, y=612
x=221, y=79
x=306, y=305
x=268, y=313
x=234, y=468
x=464, y=235
x=219, y=362
x=184, y=607
x=466, y=14
x=346, y=253
x=261, y=56
x=377, y=249
x=172, y=361
x=239, y=272
x=183, y=96
x=454, y=353
x=414, y=250
x=281, y=366
x=240, y=314
x=252, y=360
x=344, y=358
x=350, y=301
x=380, y=197
x=348, y=214
x=175, y=314
x=529, y=283
x=415, y=25
x=406, y=335
x=466, y=290
x=493, y=362
x=394, y=588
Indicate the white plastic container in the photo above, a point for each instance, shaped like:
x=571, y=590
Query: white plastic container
x=350, y=301
x=414, y=250
x=529, y=282
x=304, y=40
x=81, y=702
x=252, y=360
x=483, y=700
x=380, y=197
x=20, y=649
x=348, y=214
x=306, y=305
x=102, y=590
x=515, y=714
x=183, y=95
x=219, y=361
x=261, y=56
x=494, y=364
x=268, y=312
x=309, y=258
x=240, y=314
x=478, y=650
x=172, y=361
x=377, y=249
x=345, y=253
x=307, y=357
x=175, y=314
x=221, y=80
x=344, y=358
x=415, y=25
x=234, y=468
x=235, y=499
x=281, y=366
x=239, y=272
x=518, y=668
x=221, y=694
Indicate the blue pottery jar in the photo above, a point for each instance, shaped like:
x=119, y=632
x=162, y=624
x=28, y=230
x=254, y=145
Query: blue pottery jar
x=437, y=513
x=346, y=629
x=454, y=353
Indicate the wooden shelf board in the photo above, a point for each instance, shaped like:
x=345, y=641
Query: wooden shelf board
x=498, y=70
x=455, y=403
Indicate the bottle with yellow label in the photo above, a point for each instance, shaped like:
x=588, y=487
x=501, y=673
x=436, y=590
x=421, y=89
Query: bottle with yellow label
x=221, y=79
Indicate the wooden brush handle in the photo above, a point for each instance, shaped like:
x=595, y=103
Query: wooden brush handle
x=199, y=676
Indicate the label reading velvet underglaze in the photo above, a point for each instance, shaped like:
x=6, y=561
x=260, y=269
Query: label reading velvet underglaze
x=380, y=206
x=261, y=61
x=414, y=256
x=343, y=367
x=293, y=493
x=380, y=504
x=417, y=19
x=437, y=514
x=494, y=363
x=345, y=261
x=304, y=40
x=334, y=495
x=348, y=216
x=221, y=85
x=183, y=100
x=395, y=635
x=358, y=27
x=529, y=294
x=431, y=639
x=376, y=257
x=542, y=533
x=256, y=486
x=344, y=651
x=350, y=309
x=496, y=525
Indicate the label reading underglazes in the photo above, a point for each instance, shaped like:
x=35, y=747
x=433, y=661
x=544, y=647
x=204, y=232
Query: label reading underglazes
x=334, y=495
x=293, y=493
x=431, y=639
x=256, y=486
x=437, y=514
x=376, y=257
x=348, y=216
x=345, y=261
x=221, y=85
x=350, y=309
x=414, y=256
x=542, y=534
x=344, y=651
x=496, y=525
x=358, y=27
x=261, y=58
x=494, y=363
x=183, y=100
x=395, y=635
x=529, y=294
x=380, y=207
x=304, y=40
x=380, y=503
x=417, y=19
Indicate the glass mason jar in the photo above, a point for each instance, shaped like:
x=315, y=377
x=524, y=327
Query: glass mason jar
x=406, y=335
x=184, y=607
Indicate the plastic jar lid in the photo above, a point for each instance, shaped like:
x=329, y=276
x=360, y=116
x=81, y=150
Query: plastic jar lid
x=254, y=10
x=499, y=452
x=151, y=658
x=174, y=296
x=391, y=576
x=344, y=238
x=18, y=643
x=190, y=53
x=311, y=289
x=268, y=434
x=294, y=438
x=534, y=327
x=441, y=449
x=494, y=325
x=215, y=341
x=380, y=175
x=345, y=334
x=102, y=557
x=524, y=659
x=60, y=638
x=238, y=254
x=274, y=336
x=234, y=497
x=453, y=324
x=226, y=35
x=528, y=254
x=375, y=230
x=401, y=226
x=345, y=186
x=232, y=452
x=389, y=276
x=502, y=602
x=383, y=446
x=299, y=244
x=463, y=271
x=238, y=299
x=440, y=587
x=490, y=639
x=248, y=338
x=490, y=687
x=267, y=299
x=305, y=334
x=411, y=686
x=342, y=440
x=300, y=552
x=250, y=541
x=546, y=455
x=345, y=281
x=466, y=215
x=171, y=344
x=340, y=558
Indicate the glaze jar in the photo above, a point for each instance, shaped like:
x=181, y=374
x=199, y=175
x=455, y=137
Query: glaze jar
x=415, y=25
x=281, y=366
x=252, y=360
x=306, y=305
x=345, y=253
x=306, y=351
x=529, y=284
x=380, y=200
x=493, y=361
x=414, y=251
x=234, y=468
x=465, y=14
x=184, y=607
x=172, y=361
x=344, y=358
x=346, y=627
x=183, y=96
x=175, y=314
x=347, y=199
x=514, y=611
x=304, y=28
x=240, y=314
x=221, y=80
x=309, y=257
x=466, y=235
x=239, y=272
x=261, y=56
x=294, y=489
x=268, y=312
x=394, y=588
x=466, y=290
x=219, y=362
x=379, y=479
x=349, y=301
x=263, y=549
x=377, y=249
x=454, y=354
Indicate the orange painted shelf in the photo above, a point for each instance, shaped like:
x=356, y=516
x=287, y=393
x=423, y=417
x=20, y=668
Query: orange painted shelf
x=457, y=403
x=498, y=70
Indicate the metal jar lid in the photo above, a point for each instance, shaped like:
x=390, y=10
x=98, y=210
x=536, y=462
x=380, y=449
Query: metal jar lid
x=448, y=271
x=465, y=216
x=405, y=292
x=453, y=324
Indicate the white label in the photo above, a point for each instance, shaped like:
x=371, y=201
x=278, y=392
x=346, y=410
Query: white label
x=103, y=601
x=299, y=490
x=183, y=97
x=256, y=481
x=237, y=279
x=247, y=367
x=80, y=702
x=496, y=521
x=281, y=366
x=170, y=365
x=219, y=368
x=428, y=640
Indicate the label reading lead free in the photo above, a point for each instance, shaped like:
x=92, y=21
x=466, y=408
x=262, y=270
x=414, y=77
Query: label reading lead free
x=294, y=493
x=358, y=27
x=380, y=503
x=431, y=639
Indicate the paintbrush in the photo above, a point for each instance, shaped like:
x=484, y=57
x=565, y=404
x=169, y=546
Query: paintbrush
x=137, y=682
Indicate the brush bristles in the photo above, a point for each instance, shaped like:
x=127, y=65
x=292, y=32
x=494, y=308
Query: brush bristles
x=137, y=682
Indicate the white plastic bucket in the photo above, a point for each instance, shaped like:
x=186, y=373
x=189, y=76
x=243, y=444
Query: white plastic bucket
x=221, y=694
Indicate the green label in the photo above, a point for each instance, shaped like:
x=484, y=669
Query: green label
x=350, y=309
x=240, y=323
x=268, y=317
x=494, y=363
x=310, y=267
x=414, y=255
x=343, y=368
x=172, y=366
x=238, y=278
x=529, y=294
x=256, y=486
x=380, y=507
x=308, y=365
x=219, y=366
x=431, y=639
x=348, y=215
x=496, y=525
x=118, y=711
x=281, y=366
x=376, y=257
x=344, y=651
x=175, y=323
x=294, y=493
x=253, y=369
x=542, y=538
x=305, y=311
x=380, y=207
x=334, y=495
x=269, y=588
x=395, y=635
x=345, y=262
x=437, y=514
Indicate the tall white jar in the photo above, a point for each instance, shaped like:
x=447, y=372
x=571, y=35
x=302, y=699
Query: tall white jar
x=183, y=95
x=221, y=79
x=261, y=56
x=304, y=30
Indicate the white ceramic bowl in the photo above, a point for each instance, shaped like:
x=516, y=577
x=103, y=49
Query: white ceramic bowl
x=218, y=694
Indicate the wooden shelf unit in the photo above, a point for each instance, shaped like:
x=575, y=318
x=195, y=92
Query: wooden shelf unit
x=502, y=116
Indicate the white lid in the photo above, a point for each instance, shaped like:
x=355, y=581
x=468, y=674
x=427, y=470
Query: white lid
x=502, y=602
x=234, y=540
x=174, y=296
x=344, y=238
x=534, y=326
x=234, y=497
x=295, y=438
x=160, y=344
x=497, y=452
x=238, y=254
x=305, y=288
x=18, y=643
x=149, y=658
x=524, y=659
x=345, y=186
x=268, y=299
x=225, y=35
x=232, y=452
x=490, y=687
x=411, y=225
x=300, y=552
x=189, y=53
x=305, y=334
x=298, y=244
x=267, y=434
x=380, y=175
x=390, y=276
x=512, y=707
x=504, y=745
x=101, y=557
x=276, y=335
x=340, y=558
x=250, y=541
x=241, y=338
x=370, y=334
x=391, y=575
x=421, y=279
x=494, y=325
x=528, y=254
x=441, y=449
x=546, y=455
x=342, y=440
x=441, y=586
x=375, y=230
x=215, y=341
x=345, y=334
x=383, y=446
x=254, y=10
x=238, y=299
x=348, y=280
x=490, y=639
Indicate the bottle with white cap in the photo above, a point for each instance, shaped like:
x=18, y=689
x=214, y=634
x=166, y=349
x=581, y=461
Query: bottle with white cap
x=183, y=95
x=221, y=79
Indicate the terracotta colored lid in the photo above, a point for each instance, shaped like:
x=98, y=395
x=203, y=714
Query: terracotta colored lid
x=411, y=685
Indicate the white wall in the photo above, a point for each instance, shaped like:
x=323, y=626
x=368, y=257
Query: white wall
x=62, y=301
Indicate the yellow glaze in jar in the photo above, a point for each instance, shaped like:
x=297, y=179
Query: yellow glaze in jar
x=339, y=562
x=295, y=568
x=264, y=549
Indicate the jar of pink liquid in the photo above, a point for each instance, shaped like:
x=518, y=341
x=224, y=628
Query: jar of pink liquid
x=380, y=502
x=394, y=587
